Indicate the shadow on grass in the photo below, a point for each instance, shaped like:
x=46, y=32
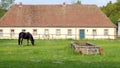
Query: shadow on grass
x=57, y=64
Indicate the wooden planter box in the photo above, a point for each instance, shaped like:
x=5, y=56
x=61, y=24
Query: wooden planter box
x=86, y=48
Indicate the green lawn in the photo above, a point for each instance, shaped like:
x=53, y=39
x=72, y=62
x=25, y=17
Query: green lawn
x=57, y=54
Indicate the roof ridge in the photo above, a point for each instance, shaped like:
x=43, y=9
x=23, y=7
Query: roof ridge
x=42, y=15
x=56, y=4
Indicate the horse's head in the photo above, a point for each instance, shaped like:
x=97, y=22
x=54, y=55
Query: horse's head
x=32, y=42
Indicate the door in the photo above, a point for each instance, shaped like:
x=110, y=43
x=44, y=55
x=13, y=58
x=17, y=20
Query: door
x=82, y=34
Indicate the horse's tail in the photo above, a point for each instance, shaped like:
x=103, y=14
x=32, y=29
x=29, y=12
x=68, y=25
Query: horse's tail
x=19, y=39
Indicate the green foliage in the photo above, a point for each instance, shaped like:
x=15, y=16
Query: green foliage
x=2, y=12
x=118, y=0
x=112, y=10
x=6, y=4
x=57, y=54
x=76, y=2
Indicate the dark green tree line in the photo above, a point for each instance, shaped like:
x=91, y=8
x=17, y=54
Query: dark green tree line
x=76, y=2
x=112, y=10
x=6, y=4
x=2, y=12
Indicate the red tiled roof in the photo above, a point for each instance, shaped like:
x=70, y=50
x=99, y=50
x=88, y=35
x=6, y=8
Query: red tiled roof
x=55, y=16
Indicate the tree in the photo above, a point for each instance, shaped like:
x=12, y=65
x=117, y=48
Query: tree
x=2, y=12
x=109, y=9
x=76, y=2
x=6, y=4
x=118, y=0
x=112, y=10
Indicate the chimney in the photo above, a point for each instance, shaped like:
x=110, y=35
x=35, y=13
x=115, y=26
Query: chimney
x=64, y=4
x=110, y=2
x=20, y=5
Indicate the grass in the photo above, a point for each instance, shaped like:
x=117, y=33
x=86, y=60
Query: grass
x=57, y=54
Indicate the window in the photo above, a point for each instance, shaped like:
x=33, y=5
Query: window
x=69, y=32
x=58, y=32
x=105, y=32
x=1, y=32
x=94, y=32
x=12, y=32
x=46, y=32
x=23, y=30
x=34, y=31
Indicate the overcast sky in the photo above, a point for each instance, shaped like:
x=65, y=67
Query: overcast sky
x=97, y=2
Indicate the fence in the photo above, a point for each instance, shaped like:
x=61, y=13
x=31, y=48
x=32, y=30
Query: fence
x=54, y=36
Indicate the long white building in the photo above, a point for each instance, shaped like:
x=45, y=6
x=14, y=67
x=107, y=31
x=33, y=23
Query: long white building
x=57, y=22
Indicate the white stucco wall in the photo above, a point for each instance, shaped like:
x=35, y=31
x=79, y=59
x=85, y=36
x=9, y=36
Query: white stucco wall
x=64, y=32
x=119, y=29
x=100, y=33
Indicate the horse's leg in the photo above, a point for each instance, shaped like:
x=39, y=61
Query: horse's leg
x=27, y=42
x=21, y=41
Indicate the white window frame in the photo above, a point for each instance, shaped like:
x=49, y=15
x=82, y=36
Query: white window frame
x=58, y=32
x=46, y=32
x=12, y=32
x=23, y=30
x=34, y=31
x=1, y=32
x=106, y=33
x=94, y=32
x=69, y=32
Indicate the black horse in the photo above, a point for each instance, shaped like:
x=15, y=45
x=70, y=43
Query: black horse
x=25, y=35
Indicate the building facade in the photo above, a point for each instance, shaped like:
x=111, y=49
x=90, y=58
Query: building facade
x=59, y=33
x=57, y=22
x=119, y=28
